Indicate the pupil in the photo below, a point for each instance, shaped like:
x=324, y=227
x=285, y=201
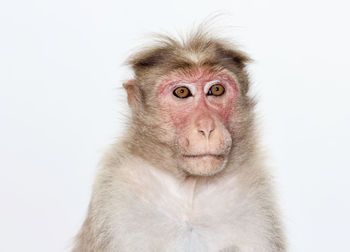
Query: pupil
x=182, y=90
x=217, y=88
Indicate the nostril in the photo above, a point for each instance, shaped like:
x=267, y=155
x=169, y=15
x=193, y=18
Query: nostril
x=210, y=131
x=201, y=132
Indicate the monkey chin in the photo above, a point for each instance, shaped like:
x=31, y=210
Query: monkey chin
x=203, y=165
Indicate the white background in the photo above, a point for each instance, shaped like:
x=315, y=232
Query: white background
x=61, y=104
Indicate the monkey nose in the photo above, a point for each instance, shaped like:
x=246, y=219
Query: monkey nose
x=206, y=133
x=206, y=127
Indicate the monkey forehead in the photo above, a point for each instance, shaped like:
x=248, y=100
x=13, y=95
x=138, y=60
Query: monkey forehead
x=199, y=76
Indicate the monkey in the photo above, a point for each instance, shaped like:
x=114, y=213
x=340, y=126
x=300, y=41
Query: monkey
x=188, y=174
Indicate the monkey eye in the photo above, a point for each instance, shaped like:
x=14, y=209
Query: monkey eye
x=182, y=92
x=216, y=90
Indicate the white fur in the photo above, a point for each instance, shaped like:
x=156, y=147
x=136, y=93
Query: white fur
x=160, y=213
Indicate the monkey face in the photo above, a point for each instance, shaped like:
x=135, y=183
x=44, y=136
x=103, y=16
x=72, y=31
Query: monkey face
x=200, y=104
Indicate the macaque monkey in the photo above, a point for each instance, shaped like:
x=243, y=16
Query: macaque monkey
x=188, y=174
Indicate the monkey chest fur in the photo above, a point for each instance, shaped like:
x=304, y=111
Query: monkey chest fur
x=152, y=211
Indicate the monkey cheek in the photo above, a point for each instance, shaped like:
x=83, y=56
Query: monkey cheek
x=203, y=166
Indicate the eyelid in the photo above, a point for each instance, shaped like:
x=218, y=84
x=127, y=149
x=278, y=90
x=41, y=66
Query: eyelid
x=190, y=86
x=211, y=83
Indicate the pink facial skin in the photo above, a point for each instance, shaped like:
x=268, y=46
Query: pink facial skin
x=201, y=120
x=200, y=105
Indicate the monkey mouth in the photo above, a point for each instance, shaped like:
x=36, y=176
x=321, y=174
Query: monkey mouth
x=203, y=164
x=210, y=155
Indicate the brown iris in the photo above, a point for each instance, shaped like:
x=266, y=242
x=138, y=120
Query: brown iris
x=216, y=90
x=182, y=92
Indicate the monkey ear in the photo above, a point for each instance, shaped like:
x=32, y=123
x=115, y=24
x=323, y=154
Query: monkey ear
x=134, y=93
x=237, y=57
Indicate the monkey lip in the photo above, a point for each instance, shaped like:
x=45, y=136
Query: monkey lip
x=203, y=164
x=219, y=156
